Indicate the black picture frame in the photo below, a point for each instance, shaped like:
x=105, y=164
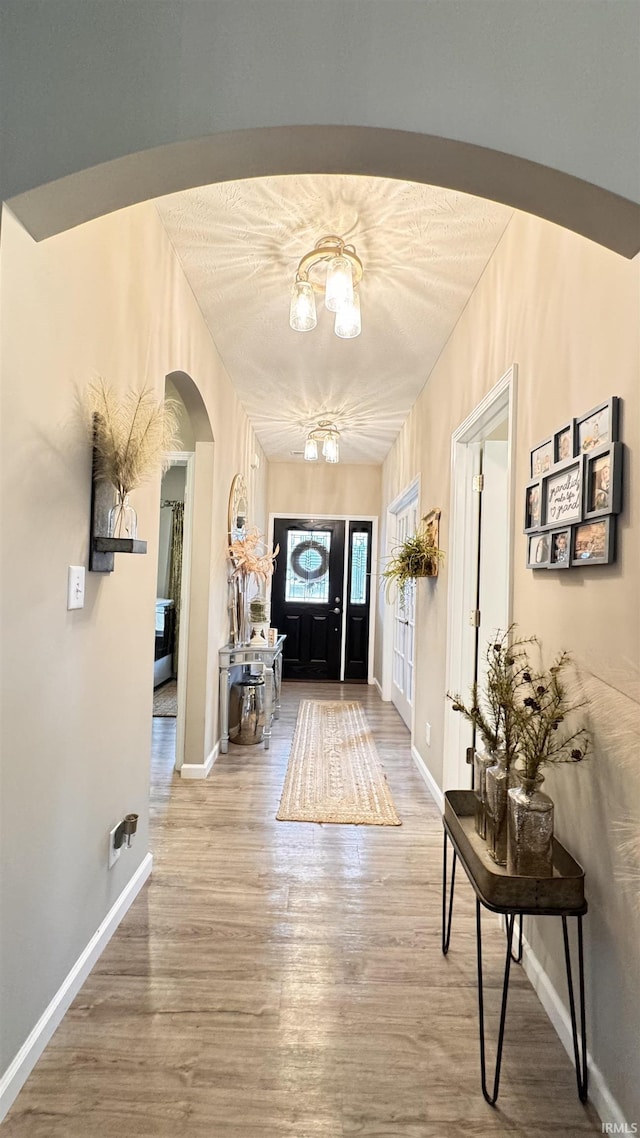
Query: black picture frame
x=564, y=443
x=593, y=542
x=599, y=427
x=602, y=497
x=541, y=458
x=538, y=545
x=562, y=494
x=533, y=514
x=560, y=548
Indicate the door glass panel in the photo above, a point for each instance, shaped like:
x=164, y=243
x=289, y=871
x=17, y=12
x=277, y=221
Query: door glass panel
x=359, y=550
x=307, y=579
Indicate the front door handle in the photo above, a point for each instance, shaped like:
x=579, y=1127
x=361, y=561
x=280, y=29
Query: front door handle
x=336, y=610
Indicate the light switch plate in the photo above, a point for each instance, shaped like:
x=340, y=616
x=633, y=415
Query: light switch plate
x=75, y=587
x=427, y=734
x=114, y=854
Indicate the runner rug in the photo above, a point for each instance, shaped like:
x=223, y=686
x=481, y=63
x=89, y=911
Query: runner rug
x=165, y=700
x=334, y=773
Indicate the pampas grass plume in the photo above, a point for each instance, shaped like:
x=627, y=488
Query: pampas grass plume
x=133, y=433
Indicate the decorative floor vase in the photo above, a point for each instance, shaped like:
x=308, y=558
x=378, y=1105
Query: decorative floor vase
x=530, y=829
x=482, y=760
x=123, y=520
x=496, y=787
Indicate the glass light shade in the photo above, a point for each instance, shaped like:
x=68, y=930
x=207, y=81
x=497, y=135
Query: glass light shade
x=348, y=323
x=302, y=314
x=330, y=449
x=339, y=284
x=311, y=450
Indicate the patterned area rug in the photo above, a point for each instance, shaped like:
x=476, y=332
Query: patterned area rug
x=165, y=700
x=334, y=773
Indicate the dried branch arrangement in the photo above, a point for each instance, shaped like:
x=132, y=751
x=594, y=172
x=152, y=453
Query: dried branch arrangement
x=133, y=433
x=251, y=555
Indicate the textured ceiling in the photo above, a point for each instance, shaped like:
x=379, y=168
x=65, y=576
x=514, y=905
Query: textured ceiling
x=423, y=249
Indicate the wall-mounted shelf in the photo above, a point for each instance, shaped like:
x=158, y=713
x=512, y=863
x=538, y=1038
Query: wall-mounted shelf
x=119, y=545
x=102, y=549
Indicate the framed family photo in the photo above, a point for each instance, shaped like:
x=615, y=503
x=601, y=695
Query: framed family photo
x=542, y=458
x=575, y=490
x=599, y=427
x=593, y=542
x=564, y=443
x=532, y=506
x=603, y=481
x=560, y=548
x=538, y=548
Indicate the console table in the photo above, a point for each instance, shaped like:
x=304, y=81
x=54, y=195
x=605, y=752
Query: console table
x=271, y=660
x=561, y=895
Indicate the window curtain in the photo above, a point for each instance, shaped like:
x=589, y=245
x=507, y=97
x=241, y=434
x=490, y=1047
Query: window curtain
x=175, y=570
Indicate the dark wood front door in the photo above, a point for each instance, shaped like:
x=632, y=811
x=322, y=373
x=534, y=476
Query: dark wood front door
x=306, y=597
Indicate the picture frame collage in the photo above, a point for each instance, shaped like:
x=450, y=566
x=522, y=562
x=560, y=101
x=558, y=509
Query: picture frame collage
x=574, y=492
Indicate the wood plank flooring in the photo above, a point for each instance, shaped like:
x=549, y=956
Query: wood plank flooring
x=285, y=980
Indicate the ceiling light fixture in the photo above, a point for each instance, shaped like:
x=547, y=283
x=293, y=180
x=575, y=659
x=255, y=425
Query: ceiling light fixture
x=328, y=434
x=334, y=269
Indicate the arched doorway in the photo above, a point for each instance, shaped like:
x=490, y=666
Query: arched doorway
x=194, y=749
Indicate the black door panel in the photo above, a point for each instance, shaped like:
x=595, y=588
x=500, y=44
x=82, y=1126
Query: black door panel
x=307, y=580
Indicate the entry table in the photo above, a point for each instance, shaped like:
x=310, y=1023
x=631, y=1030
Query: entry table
x=561, y=895
x=271, y=660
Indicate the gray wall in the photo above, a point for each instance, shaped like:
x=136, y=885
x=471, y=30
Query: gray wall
x=554, y=81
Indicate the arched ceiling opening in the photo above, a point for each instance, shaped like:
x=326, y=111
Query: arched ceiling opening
x=549, y=193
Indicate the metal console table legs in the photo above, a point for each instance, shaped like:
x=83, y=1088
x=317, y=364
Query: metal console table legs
x=499, y=892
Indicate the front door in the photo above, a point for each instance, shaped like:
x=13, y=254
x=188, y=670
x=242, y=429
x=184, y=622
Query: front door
x=306, y=597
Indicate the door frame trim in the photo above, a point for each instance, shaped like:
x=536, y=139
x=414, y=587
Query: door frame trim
x=395, y=507
x=346, y=518
x=187, y=459
x=462, y=568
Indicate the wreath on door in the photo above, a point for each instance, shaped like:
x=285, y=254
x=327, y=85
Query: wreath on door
x=298, y=555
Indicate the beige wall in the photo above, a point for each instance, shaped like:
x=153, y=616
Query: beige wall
x=566, y=312
x=324, y=488
x=108, y=299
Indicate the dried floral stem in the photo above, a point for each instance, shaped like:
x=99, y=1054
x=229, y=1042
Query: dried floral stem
x=133, y=434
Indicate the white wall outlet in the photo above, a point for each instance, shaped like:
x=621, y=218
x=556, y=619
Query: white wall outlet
x=427, y=734
x=75, y=587
x=114, y=853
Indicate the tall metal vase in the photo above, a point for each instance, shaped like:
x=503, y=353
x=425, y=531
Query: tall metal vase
x=530, y=835
x=496, y=786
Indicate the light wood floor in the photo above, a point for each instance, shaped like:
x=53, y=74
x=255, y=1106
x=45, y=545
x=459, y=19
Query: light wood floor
x=285, y=980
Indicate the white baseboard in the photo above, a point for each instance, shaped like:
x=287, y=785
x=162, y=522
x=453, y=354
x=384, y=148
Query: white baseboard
x=378, y=686
x=200, y=770
x=599, y=1094
x=19, y=1070
x=432, y=786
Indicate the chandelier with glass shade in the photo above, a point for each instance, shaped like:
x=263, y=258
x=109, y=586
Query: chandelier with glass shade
x=327, y=434
x=334, y=269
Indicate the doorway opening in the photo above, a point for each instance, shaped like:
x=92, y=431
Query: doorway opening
x=321, y=597
x=480, y=558
x=173, y=595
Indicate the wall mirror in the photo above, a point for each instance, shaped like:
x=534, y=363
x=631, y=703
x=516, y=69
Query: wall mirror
x=238, y=506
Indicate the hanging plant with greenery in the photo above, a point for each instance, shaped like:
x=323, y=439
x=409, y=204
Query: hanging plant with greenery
x=418, y=556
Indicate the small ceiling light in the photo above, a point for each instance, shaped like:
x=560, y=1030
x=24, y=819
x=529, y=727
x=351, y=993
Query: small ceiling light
x=333, y=269
x=326, y=433
x=348, y=324
x=311, y=450
x=302, y=315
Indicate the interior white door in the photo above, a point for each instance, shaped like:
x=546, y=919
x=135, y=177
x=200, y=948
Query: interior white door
x=404, y=625
x=493, y=564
